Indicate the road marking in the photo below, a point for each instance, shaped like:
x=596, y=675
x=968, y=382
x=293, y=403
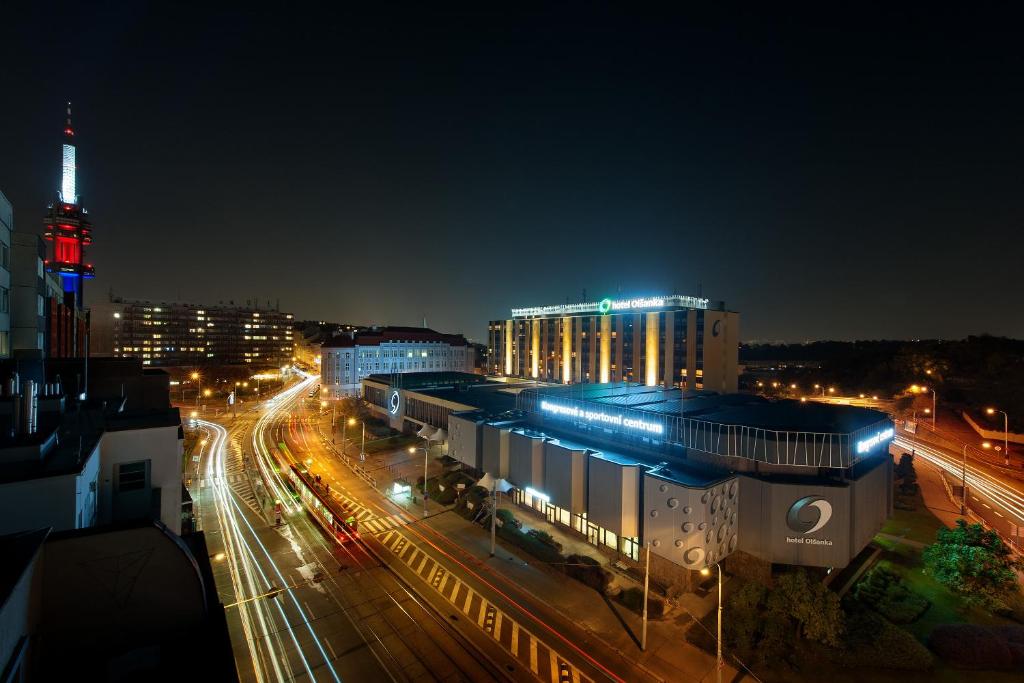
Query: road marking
x=420, y=568
x=515, y=639
x=483, y=613
x=496, y=632
x=469, y=600
x=533, y=654
x=455, y=590
x=997, y=512
x=334, y=655
x=308, y=609
x=986, y=505
x=555, y=677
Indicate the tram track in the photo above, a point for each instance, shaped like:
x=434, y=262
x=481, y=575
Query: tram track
x=386, y=625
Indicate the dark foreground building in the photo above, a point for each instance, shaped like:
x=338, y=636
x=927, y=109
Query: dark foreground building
x=131, y=602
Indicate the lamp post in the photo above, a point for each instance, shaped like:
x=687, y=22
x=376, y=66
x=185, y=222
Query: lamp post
x=426, y=452
x=647, y=577
x=705, y=572
x=344, y=441
x=1006, y=432
x=963, y=484
x=494, y=510
x=199, y=378
x=935, y=401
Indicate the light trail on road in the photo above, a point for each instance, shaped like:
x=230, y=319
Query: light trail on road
x=1010, y=500
x=410, y=527
x=240, y=552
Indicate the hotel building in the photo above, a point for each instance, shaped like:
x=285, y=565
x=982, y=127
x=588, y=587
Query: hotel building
x=699, y=477
x=668, y=341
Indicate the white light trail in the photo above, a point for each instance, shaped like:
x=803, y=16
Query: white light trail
x=1010, y=500
x=230, y=514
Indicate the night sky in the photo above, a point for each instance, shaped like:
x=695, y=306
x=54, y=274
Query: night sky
x=831, y=175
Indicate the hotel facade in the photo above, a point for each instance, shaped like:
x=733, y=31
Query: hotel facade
x=677, y=341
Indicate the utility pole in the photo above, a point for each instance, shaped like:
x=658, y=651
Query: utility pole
x=647, y=577
x=963, y=484
x=494, y=510
x=720, y=664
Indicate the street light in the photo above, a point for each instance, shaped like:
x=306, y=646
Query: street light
x=426, y=452
x=349, y=422
x=935, y=401
x=647, y=577
x=1006, y=431
x=707, y=572
x=963, y=484
x=199, y=378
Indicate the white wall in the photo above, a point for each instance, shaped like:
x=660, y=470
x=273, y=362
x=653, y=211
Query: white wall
x=161, y=447
x=51, y=501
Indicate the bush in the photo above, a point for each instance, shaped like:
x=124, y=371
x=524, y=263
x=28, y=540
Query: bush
x=968, y=646
x=883, y=590
x=545, y=538
x=541, y=551
x=974, y=563
x=872, y=641
x=589, y=571
x=633, y=598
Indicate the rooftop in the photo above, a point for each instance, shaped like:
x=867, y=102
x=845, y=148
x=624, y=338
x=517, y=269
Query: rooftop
x=732, y=409
x=393, y=334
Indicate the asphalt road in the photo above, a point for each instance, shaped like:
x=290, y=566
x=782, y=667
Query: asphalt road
x=299, y=606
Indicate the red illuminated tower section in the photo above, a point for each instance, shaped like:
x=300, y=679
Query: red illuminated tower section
x=68, y=227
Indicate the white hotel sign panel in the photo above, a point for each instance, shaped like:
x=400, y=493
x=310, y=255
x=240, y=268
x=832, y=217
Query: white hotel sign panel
x=614, y=305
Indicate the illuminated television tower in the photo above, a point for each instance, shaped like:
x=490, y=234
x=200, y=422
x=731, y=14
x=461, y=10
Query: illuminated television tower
x=68, y=226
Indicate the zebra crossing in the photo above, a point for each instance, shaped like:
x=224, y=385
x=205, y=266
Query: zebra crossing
x=544, y=662
x=378, y=525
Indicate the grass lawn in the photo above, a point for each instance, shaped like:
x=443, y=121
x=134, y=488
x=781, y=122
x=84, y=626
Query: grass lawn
x=921, y=525
x=916, y=525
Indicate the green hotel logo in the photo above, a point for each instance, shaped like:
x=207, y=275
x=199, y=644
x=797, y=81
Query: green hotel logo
x=604, y=306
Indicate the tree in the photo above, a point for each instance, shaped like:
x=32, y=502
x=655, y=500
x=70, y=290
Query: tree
x=812, y=606
x=974, y=563
x=906, y=474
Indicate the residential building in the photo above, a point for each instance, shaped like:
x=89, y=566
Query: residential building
x=186, y=334
x=71, y=462
x=348, y=358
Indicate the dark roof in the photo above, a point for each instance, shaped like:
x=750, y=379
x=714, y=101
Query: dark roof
x=490, y=399
x=424, y=380
x=735, y=409
x=143, y=419
x=377, y=336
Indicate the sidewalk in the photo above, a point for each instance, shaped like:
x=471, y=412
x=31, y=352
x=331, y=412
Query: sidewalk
x=610, y=626
x=934, y=493
x=596, y=623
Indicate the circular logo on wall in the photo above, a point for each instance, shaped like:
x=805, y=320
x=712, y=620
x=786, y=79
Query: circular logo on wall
x=395, y=402
x=604, y=306
x=809, y=514
x=716, y=328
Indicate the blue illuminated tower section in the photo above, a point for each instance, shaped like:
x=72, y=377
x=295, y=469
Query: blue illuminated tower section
x=68, y=226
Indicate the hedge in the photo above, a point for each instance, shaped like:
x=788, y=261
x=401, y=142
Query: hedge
x=873, y=641
x=633, y=598
x=589, y=571
x=969, y=646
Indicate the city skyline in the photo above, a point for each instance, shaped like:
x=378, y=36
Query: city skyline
x=830, y=178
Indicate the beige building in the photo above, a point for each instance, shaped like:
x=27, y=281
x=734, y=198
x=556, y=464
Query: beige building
x=670, y=341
